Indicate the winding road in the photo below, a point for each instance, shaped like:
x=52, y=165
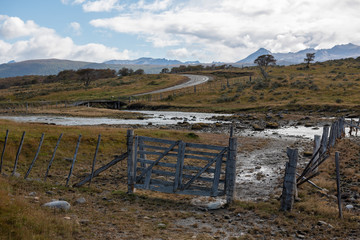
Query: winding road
x=193, y=80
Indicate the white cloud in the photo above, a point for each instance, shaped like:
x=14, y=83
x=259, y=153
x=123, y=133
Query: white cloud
x=76, y=28
x=228, y=30
x=38, y=42
x=157, y=5
x=101, y=6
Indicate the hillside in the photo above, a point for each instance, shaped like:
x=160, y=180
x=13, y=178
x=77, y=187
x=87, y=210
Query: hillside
x=54, y=66
x=332, y=85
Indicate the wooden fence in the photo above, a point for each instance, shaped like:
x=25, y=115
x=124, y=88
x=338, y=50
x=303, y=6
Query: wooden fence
x=321, y=152
x=179, y=167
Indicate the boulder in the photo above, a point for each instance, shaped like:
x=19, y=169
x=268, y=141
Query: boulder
x=64, y=205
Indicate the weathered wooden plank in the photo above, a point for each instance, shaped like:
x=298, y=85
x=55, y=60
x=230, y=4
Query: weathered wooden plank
x=173, y=165
x=36, y=156
x=157, y=140
x=157, y=160
x=214, y=189
x=179, y=166
x=203, y=169
x=156, y=153
x=162, y=164
x=103, y=168
x=316, y=150
x=231, y=170
x=73, y=162
x=289, y=185
x=130, y=161
x=3, y=151
x=324, y=139
x=337, y=165
x=94, y=160
x=199, y=158
x=18, y=154
x=52, y=157
x=204, y=146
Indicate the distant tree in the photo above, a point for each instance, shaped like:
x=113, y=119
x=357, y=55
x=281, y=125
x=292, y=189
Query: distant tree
x=165, y=70
x=309, y=58
x=87, y=75
x=124, y=72
x=139, y=71
x=263, y=62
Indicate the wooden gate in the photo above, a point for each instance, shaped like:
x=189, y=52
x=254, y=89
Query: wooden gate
x=179, y=167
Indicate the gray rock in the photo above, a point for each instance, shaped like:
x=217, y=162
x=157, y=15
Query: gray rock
x=64, y=205
x=349, y=207
x=80, y=200
x=32, y=194
x=16, y=174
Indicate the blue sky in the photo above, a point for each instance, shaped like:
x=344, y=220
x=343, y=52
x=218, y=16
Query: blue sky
x=204, y=30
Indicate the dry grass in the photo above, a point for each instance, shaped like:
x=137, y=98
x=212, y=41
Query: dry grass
x=111, y=213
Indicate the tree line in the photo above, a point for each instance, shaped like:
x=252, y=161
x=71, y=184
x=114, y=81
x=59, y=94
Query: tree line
x=87, y=75
x=194, y=68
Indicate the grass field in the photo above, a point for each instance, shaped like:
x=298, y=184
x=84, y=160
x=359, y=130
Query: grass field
x=331, y=85
x=111, y=213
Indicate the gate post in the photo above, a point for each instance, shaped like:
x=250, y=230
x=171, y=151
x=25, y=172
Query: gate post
x=231, y=170
x=130, y=162
x=289, y=186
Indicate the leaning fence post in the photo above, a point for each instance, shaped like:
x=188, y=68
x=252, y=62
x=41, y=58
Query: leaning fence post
x=3, y=151
x=338, y=183
x=316, y=151
x=289, y=185
x=94, y=161
x=18, y=154
x=73, y=162
x=36, y=155
x=231, y=170
x=53, y=156
x=130, y=162
x=324, y=139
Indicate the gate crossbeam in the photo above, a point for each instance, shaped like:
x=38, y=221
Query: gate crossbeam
x=157, y=160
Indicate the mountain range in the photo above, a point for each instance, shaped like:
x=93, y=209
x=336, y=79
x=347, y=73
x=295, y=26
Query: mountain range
x=321, y=55
x=154, y=65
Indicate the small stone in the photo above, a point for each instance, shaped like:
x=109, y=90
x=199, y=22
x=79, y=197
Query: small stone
x=50, y=193
x=67, y=218
x=349, y=207
x=227, y=217
x=80, y=200
x=161, y=225
x=17, y=175
x=32, y=194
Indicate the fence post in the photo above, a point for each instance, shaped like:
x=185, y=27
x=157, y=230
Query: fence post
x=73, y=162
x=231, y=170
x=289, y=185
x=316, y=151
x=18, y=154
x=36, y=155
x=130, y=161
x=3, y=151
x=53, y=156
x=94, y=160
x=338, y=183
x=324, y=139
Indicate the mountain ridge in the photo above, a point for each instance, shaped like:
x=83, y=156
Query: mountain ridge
x=155, y=65
x=321, y=55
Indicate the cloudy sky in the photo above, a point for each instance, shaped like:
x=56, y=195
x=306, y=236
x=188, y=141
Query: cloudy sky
x=204, y=30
